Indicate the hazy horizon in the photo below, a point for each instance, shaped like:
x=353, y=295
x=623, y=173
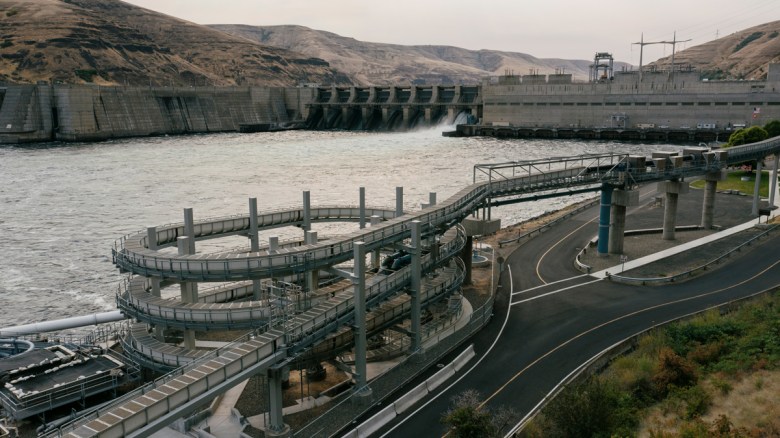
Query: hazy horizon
x=565, y=29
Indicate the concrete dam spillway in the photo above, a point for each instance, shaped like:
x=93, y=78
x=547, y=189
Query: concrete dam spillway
x=670, y=106
x=41, y=113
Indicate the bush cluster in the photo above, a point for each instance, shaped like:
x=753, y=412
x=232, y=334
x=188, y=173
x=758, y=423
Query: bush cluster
x=668, y=369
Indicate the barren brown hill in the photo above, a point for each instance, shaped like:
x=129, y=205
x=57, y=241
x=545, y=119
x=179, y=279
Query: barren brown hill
x=378, y=64
x=112, y=42
x=741, y=55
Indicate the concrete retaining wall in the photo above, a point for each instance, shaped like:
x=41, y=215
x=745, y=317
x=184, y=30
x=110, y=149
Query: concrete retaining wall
x=31, y=113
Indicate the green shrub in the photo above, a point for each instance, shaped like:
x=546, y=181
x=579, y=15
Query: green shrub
x=11, y=12
x=86, y=75
x=594, y=407
x=6, y=43
x=749, y=135
x=672, y=370
x=748, y=39
x=772, y=128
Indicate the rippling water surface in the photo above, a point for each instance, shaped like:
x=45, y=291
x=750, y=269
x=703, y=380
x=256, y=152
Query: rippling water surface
x=62, y=206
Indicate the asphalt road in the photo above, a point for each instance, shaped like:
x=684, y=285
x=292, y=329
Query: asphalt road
x=549, y=318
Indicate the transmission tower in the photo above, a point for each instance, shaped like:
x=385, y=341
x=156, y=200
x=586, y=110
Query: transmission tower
x=642, y=45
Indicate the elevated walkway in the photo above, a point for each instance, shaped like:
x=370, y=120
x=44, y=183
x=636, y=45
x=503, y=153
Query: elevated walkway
x=149, y=409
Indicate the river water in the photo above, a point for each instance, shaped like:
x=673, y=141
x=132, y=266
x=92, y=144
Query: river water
x=62, y=205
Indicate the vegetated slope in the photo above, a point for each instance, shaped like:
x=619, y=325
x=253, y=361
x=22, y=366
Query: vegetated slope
x=742, y=55
x=112, y=42
x=376, y=63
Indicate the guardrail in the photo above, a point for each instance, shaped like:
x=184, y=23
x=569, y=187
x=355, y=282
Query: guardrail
x=606, y=356
x=691, y=272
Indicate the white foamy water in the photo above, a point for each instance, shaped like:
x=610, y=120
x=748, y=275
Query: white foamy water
x=62, y=206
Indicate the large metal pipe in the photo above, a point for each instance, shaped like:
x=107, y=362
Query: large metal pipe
x=62, y=324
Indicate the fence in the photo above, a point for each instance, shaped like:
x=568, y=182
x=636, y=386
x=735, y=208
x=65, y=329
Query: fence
x=347, y=410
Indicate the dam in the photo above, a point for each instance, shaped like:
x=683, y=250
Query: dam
x=672, y=106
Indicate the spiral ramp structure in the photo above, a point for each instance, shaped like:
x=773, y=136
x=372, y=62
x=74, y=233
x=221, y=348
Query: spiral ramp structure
x=286, y=322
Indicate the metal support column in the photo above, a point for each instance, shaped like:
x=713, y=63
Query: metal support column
x=375, y=254
x=276, y=426
x=756, y=188
x=254, y=243
x=399, y=201
x=604, y=217
x=362, y=207
x=773, y=183
x=306, y=211
x=416, y=267
x=151, y=243
x=312, y=276
x=466, y=255
x=362, y=392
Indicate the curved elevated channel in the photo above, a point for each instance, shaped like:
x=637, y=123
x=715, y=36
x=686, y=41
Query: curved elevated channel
x=205, y=375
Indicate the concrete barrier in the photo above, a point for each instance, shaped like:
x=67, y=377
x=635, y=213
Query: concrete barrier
x=440, y=377
x=463, y=358
x=375, y=423
x=410, y=398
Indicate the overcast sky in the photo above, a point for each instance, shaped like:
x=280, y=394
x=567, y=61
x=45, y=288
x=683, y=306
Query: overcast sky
x=569, y=29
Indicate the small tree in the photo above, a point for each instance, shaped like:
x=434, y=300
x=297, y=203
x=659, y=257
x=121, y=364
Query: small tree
x=468, y=418
x=772, y=128
x=749, y=135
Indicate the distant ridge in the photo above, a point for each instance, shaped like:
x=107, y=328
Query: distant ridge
x=379, y=64
x=115, y=43
x=742, y=55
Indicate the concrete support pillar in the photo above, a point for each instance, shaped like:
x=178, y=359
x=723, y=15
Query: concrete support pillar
x=756, y=187
x=617, y=228
x=406, y=112
x=452, y=112
x=362, y=391
x=672, y=190
x=189, y=292
x=399, y=201
x=385, y=114
x=621, y=199
x=604, y=219
x=708, y=204
x=344, y=114
x=273, y=244
x=375, y=254
x=254, y=242
x=416, y=266
x=362, y=207
x=670, y=215
x=773, y=182
x=276, y=426
x=365, y=112
x=189, y=229
x=306, y=211
x=428, y=115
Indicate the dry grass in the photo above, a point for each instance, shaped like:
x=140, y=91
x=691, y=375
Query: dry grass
x=751, y=405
